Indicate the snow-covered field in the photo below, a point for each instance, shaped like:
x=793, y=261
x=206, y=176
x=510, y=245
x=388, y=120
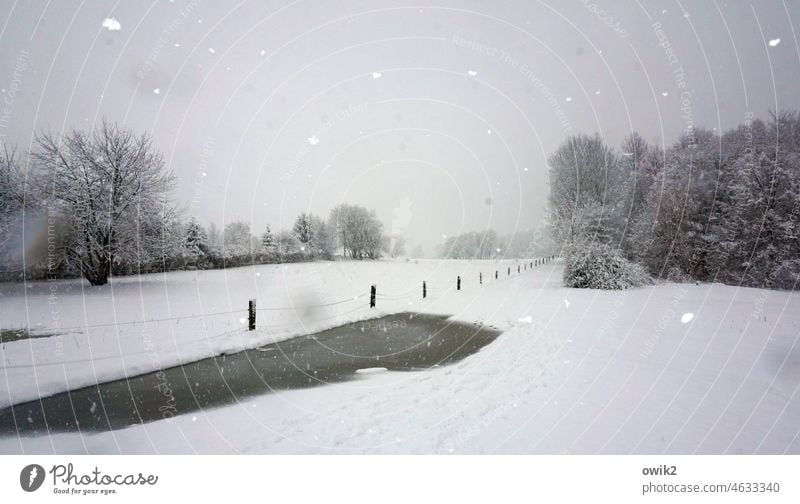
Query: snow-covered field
x=675, y=368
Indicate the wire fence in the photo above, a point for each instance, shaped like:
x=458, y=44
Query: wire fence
x=419, y=294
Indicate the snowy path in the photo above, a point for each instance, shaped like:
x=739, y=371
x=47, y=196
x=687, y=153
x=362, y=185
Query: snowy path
x=576, y=371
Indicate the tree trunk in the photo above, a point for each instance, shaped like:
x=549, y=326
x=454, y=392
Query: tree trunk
x=99, y=273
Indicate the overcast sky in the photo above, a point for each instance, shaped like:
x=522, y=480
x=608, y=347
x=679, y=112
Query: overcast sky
x=440, y=115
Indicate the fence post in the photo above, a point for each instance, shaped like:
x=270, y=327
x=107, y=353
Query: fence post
x=517, y=268
x=495, y=274
x=458, y=283
x=251, y=315
x=424, y=290
x=509, y=271
x=480, y=278
x=372, y=291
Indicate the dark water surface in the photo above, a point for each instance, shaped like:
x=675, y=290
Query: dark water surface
x=401, y=342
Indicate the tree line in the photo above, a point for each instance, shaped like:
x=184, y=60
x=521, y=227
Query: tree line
x=711, y=207
x=97, y=204
x=488, y=244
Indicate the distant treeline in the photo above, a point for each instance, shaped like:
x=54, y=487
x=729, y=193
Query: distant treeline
x=711, y=207
x=97, y=204
x=488, y=244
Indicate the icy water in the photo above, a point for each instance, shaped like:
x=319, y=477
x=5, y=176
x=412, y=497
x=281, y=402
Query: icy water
x=401, y=342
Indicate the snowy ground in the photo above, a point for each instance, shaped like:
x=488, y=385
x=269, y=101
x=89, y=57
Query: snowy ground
x=669, y=368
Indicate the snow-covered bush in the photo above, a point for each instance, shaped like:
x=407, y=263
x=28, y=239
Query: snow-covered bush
x=677, y=275
x=599, y=266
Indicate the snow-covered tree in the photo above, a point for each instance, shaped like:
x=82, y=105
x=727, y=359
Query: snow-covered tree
x=214, y=241
x=196, y=244
x=19, y=205
x=359, y=232
x=302, y=230
x=322, y=244
x=114, y=188
x=268, y=241
x=286, y=242
x=585, y=172
x=237, y=240
x=473, y=245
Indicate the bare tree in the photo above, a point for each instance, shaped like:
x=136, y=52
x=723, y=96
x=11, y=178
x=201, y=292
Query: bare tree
x=359, y=231
x=114, y=187
x=584, y=173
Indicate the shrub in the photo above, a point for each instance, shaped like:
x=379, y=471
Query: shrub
x=677, y=275
x=599, y=266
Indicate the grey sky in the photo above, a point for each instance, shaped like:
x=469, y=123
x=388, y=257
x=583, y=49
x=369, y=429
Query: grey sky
x=438, y=114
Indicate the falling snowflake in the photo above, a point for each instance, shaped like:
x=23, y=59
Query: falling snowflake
x=664, y=93
x=566, y=303
x=263, y=52
x=597, y=92
x=488, y=132
x=568, y=98
x=376, y=75
x=526, y=320
x=525, y=169
x=242, y=320
x=157, y=91
x=111, y=24
x=473, y=73
x=211, y=50
x=313, y=140
x=774, y=42
x=687, y=317
x=177, y=44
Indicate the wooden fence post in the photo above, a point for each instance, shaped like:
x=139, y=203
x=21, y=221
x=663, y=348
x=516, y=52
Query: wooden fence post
x=509, y=271
x=517, y=268
x=480, y=278
x=372, y=292
x=458, y=283
x=424, y=290
x=495, y=274
x=251, y=315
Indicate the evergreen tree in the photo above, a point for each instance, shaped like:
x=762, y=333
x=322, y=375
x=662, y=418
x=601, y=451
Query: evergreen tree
x=268, y=241
x=196, y=244
x=302, y=230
